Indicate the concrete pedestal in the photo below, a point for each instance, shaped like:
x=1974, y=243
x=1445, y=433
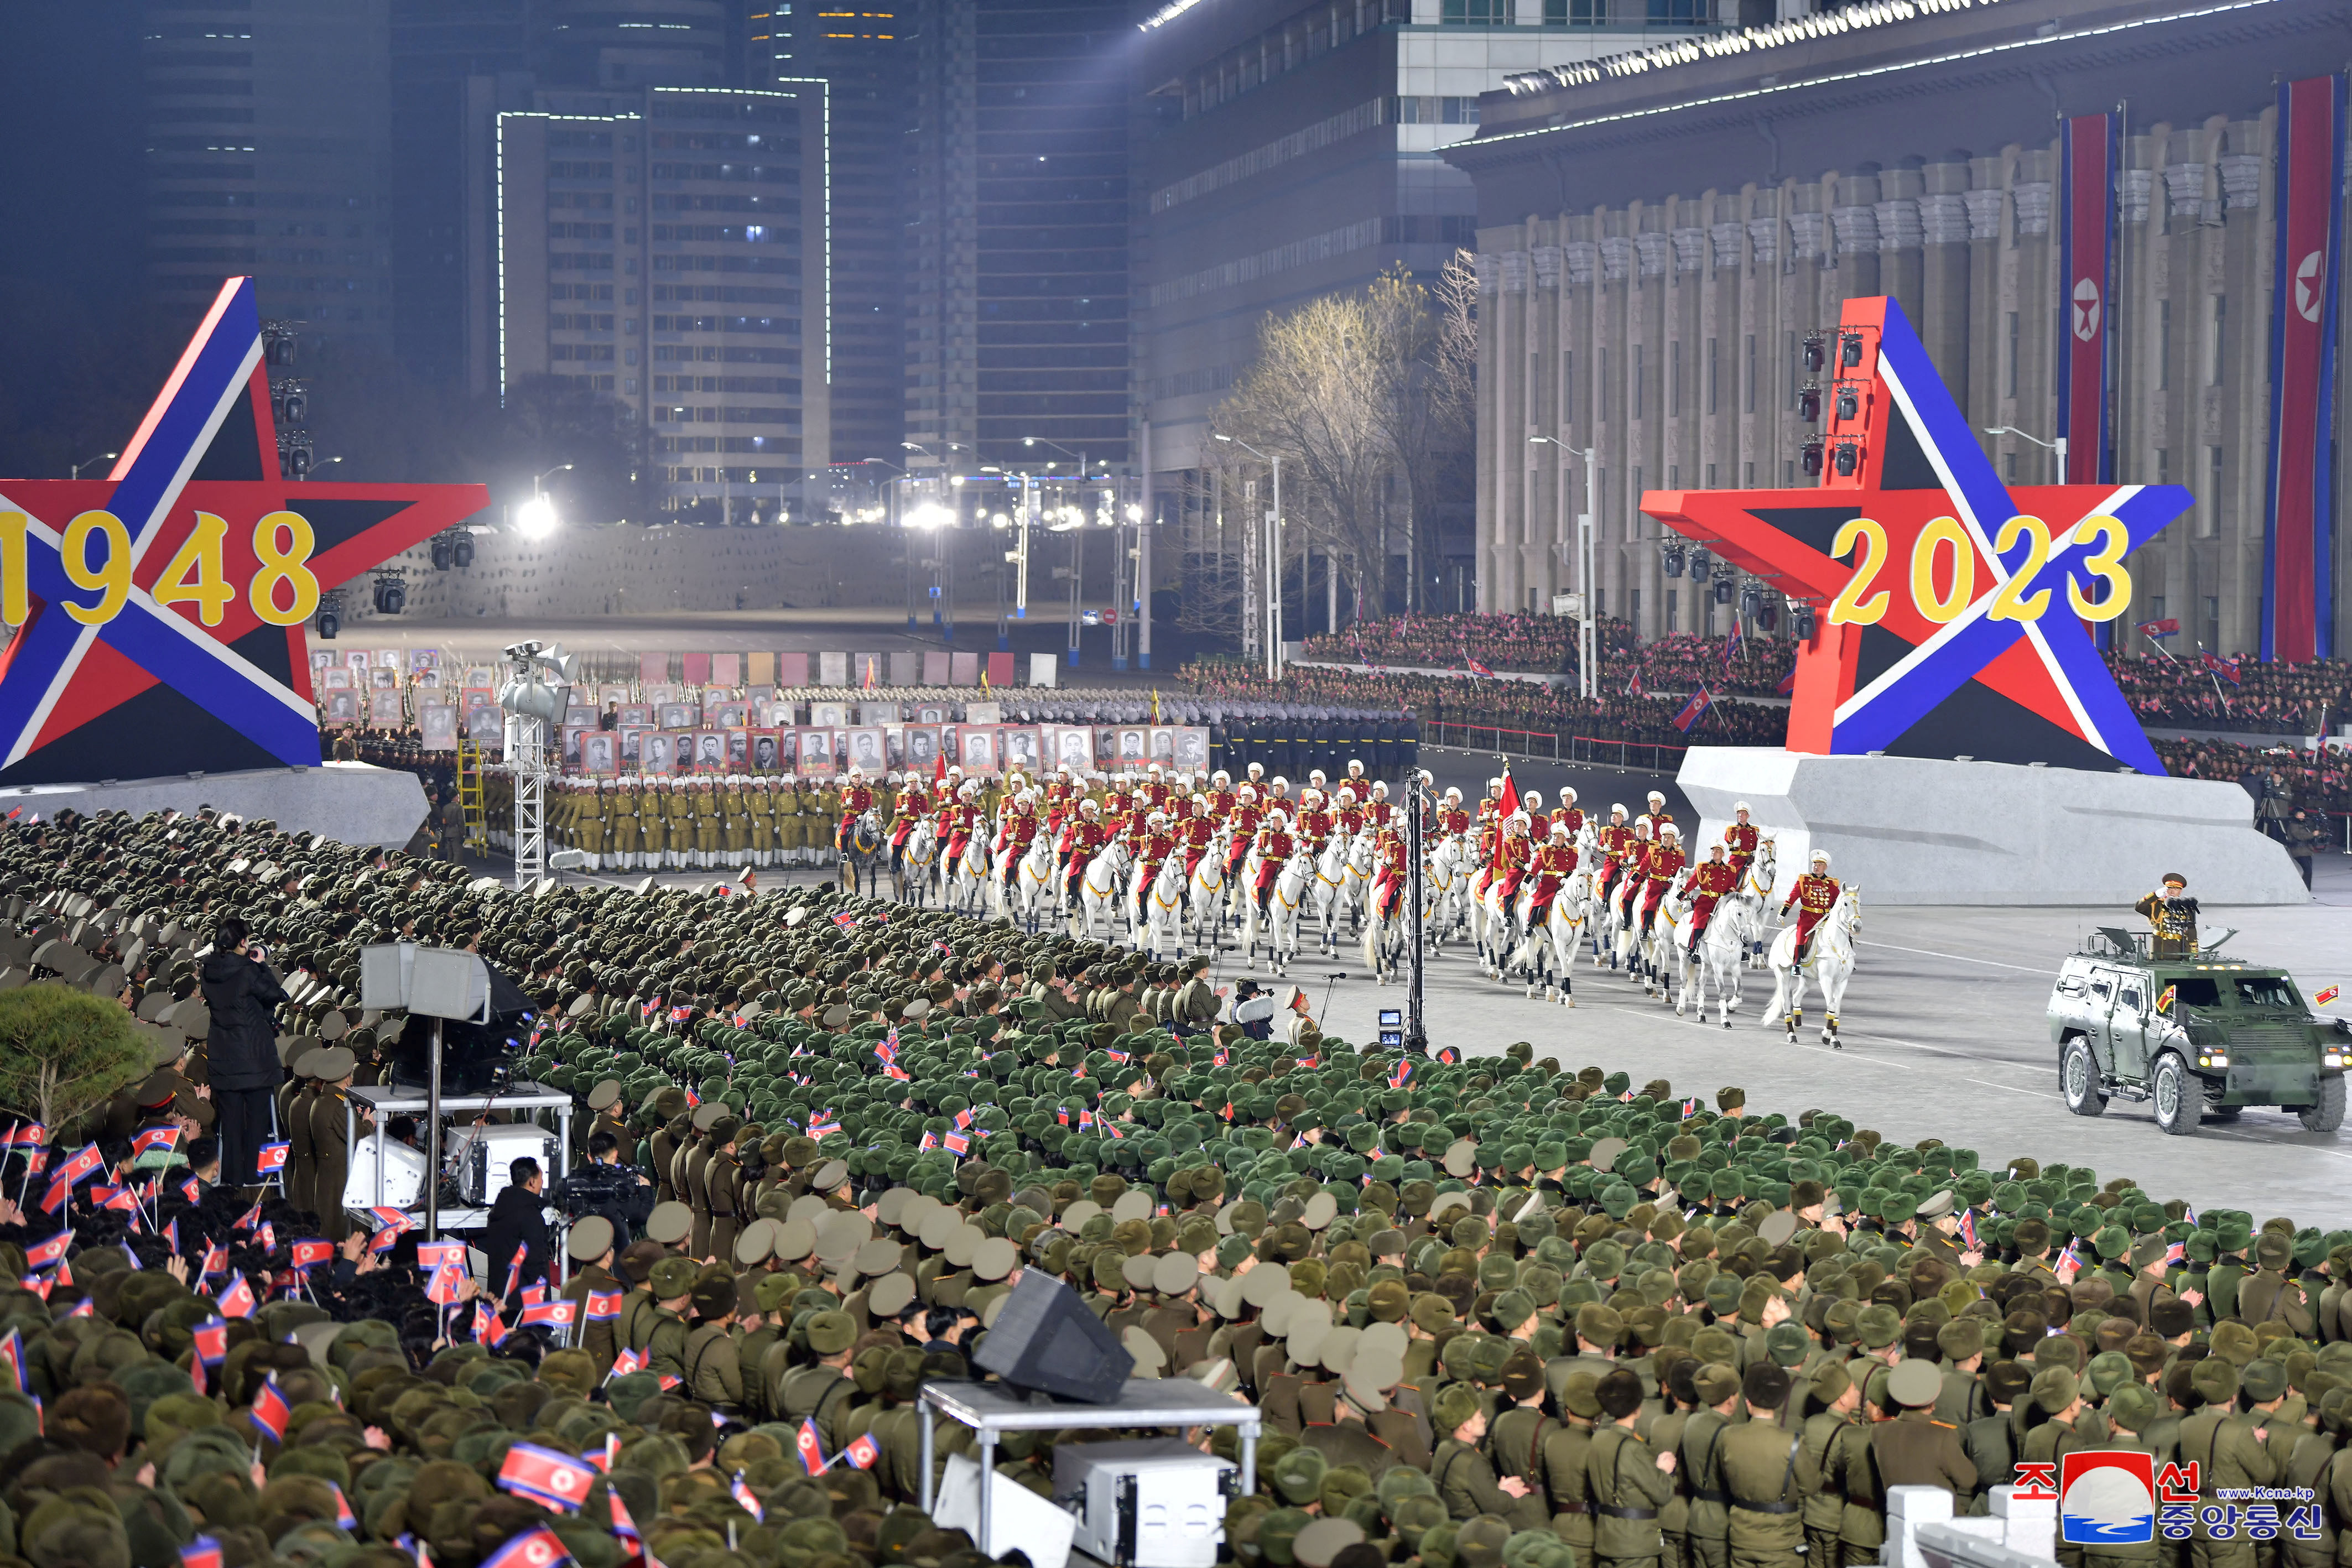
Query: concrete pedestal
x=1908, y=830
x=352, y=803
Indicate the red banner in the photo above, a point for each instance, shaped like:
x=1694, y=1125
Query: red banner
x=2297, y=604
x=2086, y=261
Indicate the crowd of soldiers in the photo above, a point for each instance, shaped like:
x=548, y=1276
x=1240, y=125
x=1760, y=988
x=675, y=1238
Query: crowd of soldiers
x=1495, y=1310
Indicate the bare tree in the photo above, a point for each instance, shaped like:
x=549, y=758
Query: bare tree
x=1362, y=394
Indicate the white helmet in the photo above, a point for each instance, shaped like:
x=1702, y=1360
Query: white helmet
x=1256, y=769
x=1220, y=778
x=1089, y=807
x=1347, y=795
x=1495, y=786
x=1618, y=810
x=1355, y=768
x=1379, y=787
x=1658, y=797
x=1157, y=820
x=1452, y=793
x=1566, y=796
x=1533, y=799
x=1247, y=793
x=1667, y=829
x=856, y=774
x=1154, y=769
x=1822, y=859
x=1280, y=783
x=1742, y=806
x=1316, y=778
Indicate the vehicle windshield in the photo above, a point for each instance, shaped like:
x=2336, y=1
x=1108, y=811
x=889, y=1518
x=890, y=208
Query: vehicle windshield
x=2193, y=991
x=2266, y=991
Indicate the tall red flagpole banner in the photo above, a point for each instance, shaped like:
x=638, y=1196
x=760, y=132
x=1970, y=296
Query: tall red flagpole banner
x=2297, y=560
x=2086, y=270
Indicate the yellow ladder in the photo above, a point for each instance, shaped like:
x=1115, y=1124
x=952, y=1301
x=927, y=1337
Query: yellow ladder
x=469, y=797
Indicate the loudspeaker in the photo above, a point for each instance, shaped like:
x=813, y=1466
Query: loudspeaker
x=1045, y=1339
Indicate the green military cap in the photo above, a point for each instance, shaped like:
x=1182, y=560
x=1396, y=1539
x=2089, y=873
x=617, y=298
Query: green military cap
x=671, y=1279
x=2133, y=1407
x=1913, y=1384
x=1878, y=1326
x=669, y=1223
x=2214, y=1381
x=2263, y=1380
x=1715, y=1381
x=1458, y=1404
x=2055, y=1388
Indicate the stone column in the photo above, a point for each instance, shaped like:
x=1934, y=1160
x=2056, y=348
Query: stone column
x=1943, y=315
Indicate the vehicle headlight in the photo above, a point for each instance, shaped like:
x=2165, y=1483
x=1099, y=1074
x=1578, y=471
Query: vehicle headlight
x=2332, y=1058
x=2213, y=1059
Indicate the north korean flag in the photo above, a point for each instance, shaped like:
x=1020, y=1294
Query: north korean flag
x=433, y=1254
x=536, y=1548
x=172, y=1234
x=551, y=1314
x=154, y=1138
x=215, y=1260
x=489, y=1329
x=192, y=1190
x=627, y=1362
x=271, y=1159
x=514, y=1267
x=271, y=1411
x=311, y=1254
x=964, y=1121
x=546, y=1476
x=236, y=1301
x=31, y=1135
x=345, y=1518
x=862, y=1451
x=269, y=1237
x=12, y=1356
x=249, y=1220
x=603, y=1306
x=957, y=1144
x=83, y=1163
x=747, y=1500
x=623, y=1525
x=212, y=1342
x=392, y=1218
x=441, y=1288
x=50, y=1253
x=204, y=1552
x=811, y=1448
x=53, y=1196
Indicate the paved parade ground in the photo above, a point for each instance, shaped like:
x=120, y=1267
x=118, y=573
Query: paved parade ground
x=1944, y=1037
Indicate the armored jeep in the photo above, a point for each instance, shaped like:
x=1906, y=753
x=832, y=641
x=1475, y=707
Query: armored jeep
x=2200, y=1036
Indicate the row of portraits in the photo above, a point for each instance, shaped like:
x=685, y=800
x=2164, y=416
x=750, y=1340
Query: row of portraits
x=982, y=750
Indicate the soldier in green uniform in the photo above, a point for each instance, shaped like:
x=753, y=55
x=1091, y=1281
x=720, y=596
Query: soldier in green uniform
x=332, y=1126
x=1629, y=1484
x=712, y=1369
x=590, y=1248
x=823, y=1390
x=1768, y=1476
x=671, y=1281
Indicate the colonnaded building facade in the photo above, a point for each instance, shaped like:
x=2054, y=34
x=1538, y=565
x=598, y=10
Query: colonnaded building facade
x=1658, y=234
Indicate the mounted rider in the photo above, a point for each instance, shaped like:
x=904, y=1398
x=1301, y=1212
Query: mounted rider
x=1611, y=839
x=1554, y=863
x=856, y=800
x=1709, y=881
x=1741, y=838
x=1513, y=856
x=1813, y=896
x=914, y=802
x=1082, y=841
x=1196, y=830
x=1313, y=821
x=1349, y=814
x=1275, y=846
x=1247, y=815
x=1567, y=814
x=1389, y=879
x=1663, y=863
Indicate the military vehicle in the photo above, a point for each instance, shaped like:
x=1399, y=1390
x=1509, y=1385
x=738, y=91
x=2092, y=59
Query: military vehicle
x=2197, y=1036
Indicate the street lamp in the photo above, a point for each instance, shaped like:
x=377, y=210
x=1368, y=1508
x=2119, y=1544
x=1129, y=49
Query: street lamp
x=1274, y=561
x=1585, y=682
x=1077, y=539
x=2058, y=446
x=101, y=457
x=536, y=520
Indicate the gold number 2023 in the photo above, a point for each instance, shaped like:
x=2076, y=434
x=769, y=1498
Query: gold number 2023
x=1861, y=602
x=282, y=543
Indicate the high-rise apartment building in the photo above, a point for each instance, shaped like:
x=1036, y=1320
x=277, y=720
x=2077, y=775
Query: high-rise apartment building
x=268, y=135
x=1017, y=319
x=863, y=52
x=665, y=247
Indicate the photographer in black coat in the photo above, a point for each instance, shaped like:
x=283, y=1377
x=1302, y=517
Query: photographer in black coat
x=517, y=1219
x=241, y=1051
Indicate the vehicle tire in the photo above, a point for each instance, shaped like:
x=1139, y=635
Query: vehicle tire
x=2078, y=1079
x=2328, y=1115
x=2179, y=1098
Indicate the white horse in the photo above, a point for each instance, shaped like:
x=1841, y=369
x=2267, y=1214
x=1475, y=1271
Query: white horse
x=1720, y=958
x=1446, y=878
x=963, y=880
x=913, y=869
x=1278, y=923
x=1385, y=935
x=1328, y=892
x=1099, y=889
x=1356, y=877
x=1547, y=953
x=1831, y=965
x=1206, y=891
x=1158, y=910
x=1030, y=881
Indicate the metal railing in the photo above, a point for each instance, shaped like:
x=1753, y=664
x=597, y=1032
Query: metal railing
x=1550, y=745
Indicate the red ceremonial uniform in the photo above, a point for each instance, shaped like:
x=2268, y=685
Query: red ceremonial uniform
x=1315, y=826
x=1221, y=803
x=1156, y=848
x=1659, y=868
x=1572, y=817
x=1815, y=895
x=1709, y=881
x=1455, y=820
x=1740, y=839
x=1156, y=792
x=1086, y=841
x=1553, y=864
x=1381, y=812
x=956, y=824
x=1020, y=832
x=913, y=801
x=856, y=800
x=1511, y=857
x=1351, y=820
x=1195, y=833
x=1490, y=835
x=1275, y=845
x=1246, y=817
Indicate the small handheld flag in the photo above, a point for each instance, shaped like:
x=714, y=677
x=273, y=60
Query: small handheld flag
x=747, y=1500
x=212, y=1342
x=2164, y=1001
x=811, y=1448
x=154, y=1138
x=204, y=1552
x=862, y=1453
x=2326, y=996
x=603, y=1306
x=50, y=1253
x=271, y=1159
x=271, y=1411
x=552, y=1316
x=538, y=1547
x=236, y=1301
x=12, y=1356
x=547, y=1477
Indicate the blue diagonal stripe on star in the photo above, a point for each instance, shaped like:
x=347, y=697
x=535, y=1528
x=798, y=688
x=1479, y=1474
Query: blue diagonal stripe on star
x=212, y=374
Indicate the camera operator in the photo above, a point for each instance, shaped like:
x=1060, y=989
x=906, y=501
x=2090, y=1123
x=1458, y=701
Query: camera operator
x=241, y=1051
x=605, y=1186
